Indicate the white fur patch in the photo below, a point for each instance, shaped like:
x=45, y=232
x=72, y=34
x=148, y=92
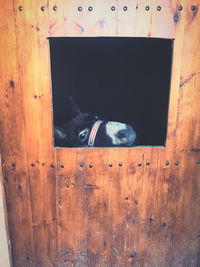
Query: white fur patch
x=112, y=128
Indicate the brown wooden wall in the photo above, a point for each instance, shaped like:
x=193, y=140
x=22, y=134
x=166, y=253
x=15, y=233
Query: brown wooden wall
x=132, y=215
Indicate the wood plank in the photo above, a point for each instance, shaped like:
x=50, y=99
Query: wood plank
x=114, y=205
x=134, y=19
x=12, y=145
x=187, y=112
x=32, y=25
x=83, y=18
x=72, y=207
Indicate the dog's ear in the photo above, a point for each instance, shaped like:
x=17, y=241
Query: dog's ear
x=74, y=108
x=60, y=134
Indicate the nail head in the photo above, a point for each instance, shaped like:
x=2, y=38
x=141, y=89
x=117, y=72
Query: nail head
x=54, y=8
x=133, y=254
x=12, y=84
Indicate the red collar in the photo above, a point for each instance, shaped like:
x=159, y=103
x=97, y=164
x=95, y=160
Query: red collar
x=94, y=133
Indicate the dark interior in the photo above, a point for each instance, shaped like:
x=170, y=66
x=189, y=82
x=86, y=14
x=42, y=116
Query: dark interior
x=115, y=78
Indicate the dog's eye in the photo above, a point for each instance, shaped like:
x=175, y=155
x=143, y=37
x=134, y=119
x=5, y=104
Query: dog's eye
x=83, y=135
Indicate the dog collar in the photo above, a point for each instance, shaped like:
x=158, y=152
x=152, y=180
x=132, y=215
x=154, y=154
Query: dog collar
x=93, y=133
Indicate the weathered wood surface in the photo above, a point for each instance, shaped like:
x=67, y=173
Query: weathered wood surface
x=5, y=248
x=62, y=214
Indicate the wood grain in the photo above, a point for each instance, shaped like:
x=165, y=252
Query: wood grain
x=124, y=206
x=13, y=148
x=32, y=28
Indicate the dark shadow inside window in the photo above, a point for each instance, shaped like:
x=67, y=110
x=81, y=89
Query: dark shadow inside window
x=119, y=79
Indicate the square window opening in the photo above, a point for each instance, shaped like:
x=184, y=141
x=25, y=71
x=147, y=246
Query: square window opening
x=115, y=82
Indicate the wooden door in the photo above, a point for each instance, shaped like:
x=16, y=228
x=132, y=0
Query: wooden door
x=143, y=212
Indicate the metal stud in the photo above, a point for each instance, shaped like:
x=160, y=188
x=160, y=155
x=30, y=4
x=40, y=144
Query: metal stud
x=176, y=17
x=82, y=165
x=32, y=165
x=125, y=8
x=133, y=255
x=90, y=8
x=176, y=163
x=13, y=164
x=167, y=163
x=54, y=8
x=158, y=8
x=90, y=165
x=43, y=8
x=180, y=8
x=139, y=164
x=193, y=8
x=147, y=8
x=80, y=8
x=110, y=165
x=198, y=162
x=12, y=84
x=52, y=165
x=62, y=166
x=20, y=8
x=164, y=224
x=113, y=8
x=120, y=164
x=147, y=163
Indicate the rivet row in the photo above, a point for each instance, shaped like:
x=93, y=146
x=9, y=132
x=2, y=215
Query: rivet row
x=113, y=8
x=167, y=163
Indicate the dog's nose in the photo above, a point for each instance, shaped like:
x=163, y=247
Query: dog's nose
x=122, y=134
x=127, y=136
x=131, y=134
